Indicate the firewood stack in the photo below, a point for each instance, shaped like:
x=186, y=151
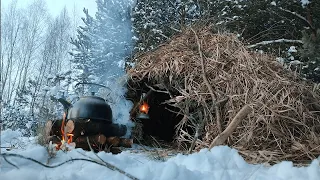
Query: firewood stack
x=59, y=134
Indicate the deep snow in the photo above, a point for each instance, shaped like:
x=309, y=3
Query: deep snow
x=220, y=163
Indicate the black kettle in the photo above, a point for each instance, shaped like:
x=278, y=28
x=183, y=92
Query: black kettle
x=88, y=107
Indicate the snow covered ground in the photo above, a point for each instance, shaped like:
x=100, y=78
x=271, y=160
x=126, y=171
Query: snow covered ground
x=220, y=163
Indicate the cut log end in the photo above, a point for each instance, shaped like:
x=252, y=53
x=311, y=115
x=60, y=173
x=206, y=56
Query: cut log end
x=69, y=126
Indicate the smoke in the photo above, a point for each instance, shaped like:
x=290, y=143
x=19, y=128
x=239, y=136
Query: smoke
x=116, y=48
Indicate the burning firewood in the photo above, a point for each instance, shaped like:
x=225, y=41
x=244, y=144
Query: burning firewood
x=69, y=126
x=122, y=142
x=126, y=142
x=114, y=141
x=66, y=135
x=98, y=139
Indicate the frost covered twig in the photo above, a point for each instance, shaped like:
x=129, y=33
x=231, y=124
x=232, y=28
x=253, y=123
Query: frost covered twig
x=6, y=155
x=9, y=162
x=110, y=166
x=275, y=41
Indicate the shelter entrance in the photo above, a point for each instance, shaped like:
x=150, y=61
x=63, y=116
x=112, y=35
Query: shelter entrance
x=162, y=118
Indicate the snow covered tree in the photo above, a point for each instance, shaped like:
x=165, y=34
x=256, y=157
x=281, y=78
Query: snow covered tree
x=81, y=52
x=103, y=41
x=39, y=47
x=156, y=21
x=112, y=38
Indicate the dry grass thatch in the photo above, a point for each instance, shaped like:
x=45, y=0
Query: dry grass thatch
x=285, y=121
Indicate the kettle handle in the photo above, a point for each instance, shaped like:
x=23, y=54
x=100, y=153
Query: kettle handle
x=92, y=84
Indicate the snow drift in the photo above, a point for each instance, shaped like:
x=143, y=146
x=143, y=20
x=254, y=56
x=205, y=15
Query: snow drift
x=221, y=162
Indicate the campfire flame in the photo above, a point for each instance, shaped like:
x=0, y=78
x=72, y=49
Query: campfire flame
x=144, y=108
x=66, y=137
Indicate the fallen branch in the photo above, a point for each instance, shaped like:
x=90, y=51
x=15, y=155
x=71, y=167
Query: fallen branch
x=275, y=41
x=110, y=166
x=221, y=138
x=6, y=155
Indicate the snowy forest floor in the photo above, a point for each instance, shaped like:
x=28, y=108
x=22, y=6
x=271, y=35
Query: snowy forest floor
x=221, y=162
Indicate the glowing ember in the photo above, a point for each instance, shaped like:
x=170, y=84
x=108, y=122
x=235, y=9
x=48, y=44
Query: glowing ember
x=144, y=108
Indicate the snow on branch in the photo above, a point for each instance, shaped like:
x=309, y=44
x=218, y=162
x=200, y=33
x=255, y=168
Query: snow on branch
x=275, y=41
x=299, y=16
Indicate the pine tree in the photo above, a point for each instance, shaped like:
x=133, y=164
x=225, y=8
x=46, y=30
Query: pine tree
x=154, y=22
x=102, y=42
x=82, y=51
x=111, y=40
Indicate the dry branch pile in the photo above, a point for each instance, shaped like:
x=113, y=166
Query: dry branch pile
x=210, y=77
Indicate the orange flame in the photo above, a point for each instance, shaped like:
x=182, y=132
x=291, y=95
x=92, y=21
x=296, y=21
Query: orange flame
x=65, y=137
x=144, y=108
x=70, y=136
x=62, y=126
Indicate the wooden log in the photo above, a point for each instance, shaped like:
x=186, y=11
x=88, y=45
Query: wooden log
x=126, y=142
x=221, y=138
x=97, y=139
x=69, y=126
x=115, y=150
x=114, y=141
x=97, y=142
x=119, y=142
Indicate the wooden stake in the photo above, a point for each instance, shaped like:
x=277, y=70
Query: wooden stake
x=221, y=138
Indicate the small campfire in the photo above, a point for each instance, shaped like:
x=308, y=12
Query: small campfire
x=62, y=135
x=87, y=124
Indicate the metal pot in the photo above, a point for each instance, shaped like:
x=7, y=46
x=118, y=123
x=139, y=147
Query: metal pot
x=90, y=107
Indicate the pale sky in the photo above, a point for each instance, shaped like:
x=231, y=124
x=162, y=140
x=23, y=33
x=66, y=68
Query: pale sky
x=55, y=6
